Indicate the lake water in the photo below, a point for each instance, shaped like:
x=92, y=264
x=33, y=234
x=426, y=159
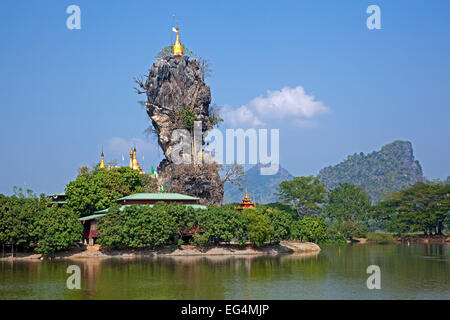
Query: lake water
x=407, y=272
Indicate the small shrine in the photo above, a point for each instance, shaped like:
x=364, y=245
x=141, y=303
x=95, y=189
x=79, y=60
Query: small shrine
x=245, y=203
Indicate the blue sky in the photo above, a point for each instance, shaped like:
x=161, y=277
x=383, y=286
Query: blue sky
x=65, y=93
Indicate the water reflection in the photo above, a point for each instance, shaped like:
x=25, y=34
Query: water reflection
x=416, y=271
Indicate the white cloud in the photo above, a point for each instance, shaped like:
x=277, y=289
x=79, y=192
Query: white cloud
x=293, y=104
x=242, y=115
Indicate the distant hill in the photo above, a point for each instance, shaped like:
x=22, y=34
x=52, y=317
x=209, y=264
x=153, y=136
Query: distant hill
x=380, y=173
x=260, y=188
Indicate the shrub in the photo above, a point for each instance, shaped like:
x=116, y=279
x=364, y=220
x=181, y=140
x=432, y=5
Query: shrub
x=258, y=225
x=281, y=222
x=56, y=229
x=137, y=226
x=313, y=229
x=220, y=224
x=188, y=117
x=380, y=237
x=350, y=229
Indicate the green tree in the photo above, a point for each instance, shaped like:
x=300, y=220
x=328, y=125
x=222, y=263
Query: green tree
x=137, y=226
x=281, y=222
x=424, y=206
x=313, y=229
x=98, y=189
x=349, y=229
x=304, y=194
x=347, y=203
x=220, y=224
x=258, y=227
x=56, y=229
x=17, y=215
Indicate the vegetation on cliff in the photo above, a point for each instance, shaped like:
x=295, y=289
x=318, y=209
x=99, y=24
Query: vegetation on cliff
x=380, y=173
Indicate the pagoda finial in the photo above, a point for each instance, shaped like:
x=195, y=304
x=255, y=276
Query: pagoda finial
x=102, y=163
x=245, y=203
x=135, y=162
x=131, y=158
x=177, y=47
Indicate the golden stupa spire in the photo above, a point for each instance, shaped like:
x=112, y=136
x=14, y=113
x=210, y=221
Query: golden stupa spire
x=131, y=158
x=177, y=47
x=135, y=162
x=102, y=163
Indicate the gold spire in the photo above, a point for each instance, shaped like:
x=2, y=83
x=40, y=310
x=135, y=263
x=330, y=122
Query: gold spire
x=102, y=163
x=131, y=158
x=135, y=162
x=177, y=47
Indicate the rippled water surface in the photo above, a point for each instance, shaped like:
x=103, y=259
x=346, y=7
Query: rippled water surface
x=407, y=272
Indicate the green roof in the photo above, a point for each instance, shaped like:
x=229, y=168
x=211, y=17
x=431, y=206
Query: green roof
x=197, y=206
x=194, y=206
x=158, y=196
x=58, y=202
x=91, y=217
x=58, y=194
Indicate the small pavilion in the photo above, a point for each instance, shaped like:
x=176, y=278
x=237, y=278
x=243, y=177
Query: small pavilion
x=245, y=203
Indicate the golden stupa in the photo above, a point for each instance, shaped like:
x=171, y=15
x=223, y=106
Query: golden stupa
x=177, y=47
x=102, y=163
x=133, y=161
x=131, y=157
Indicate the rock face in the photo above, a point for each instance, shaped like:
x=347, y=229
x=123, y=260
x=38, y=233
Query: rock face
x=176, y=96
x=202, y=181
x=380, y=173
x=174, y=83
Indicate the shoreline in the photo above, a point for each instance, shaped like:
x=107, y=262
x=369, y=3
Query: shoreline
x=436, y=239
x=97, y=252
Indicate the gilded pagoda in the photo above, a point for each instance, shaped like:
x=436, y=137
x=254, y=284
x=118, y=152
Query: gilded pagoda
x=245, y=203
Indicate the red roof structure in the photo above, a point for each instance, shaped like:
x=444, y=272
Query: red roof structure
x=245, y=203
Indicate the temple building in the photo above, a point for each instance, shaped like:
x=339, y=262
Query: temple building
x=245, y=203
x=58, y=199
